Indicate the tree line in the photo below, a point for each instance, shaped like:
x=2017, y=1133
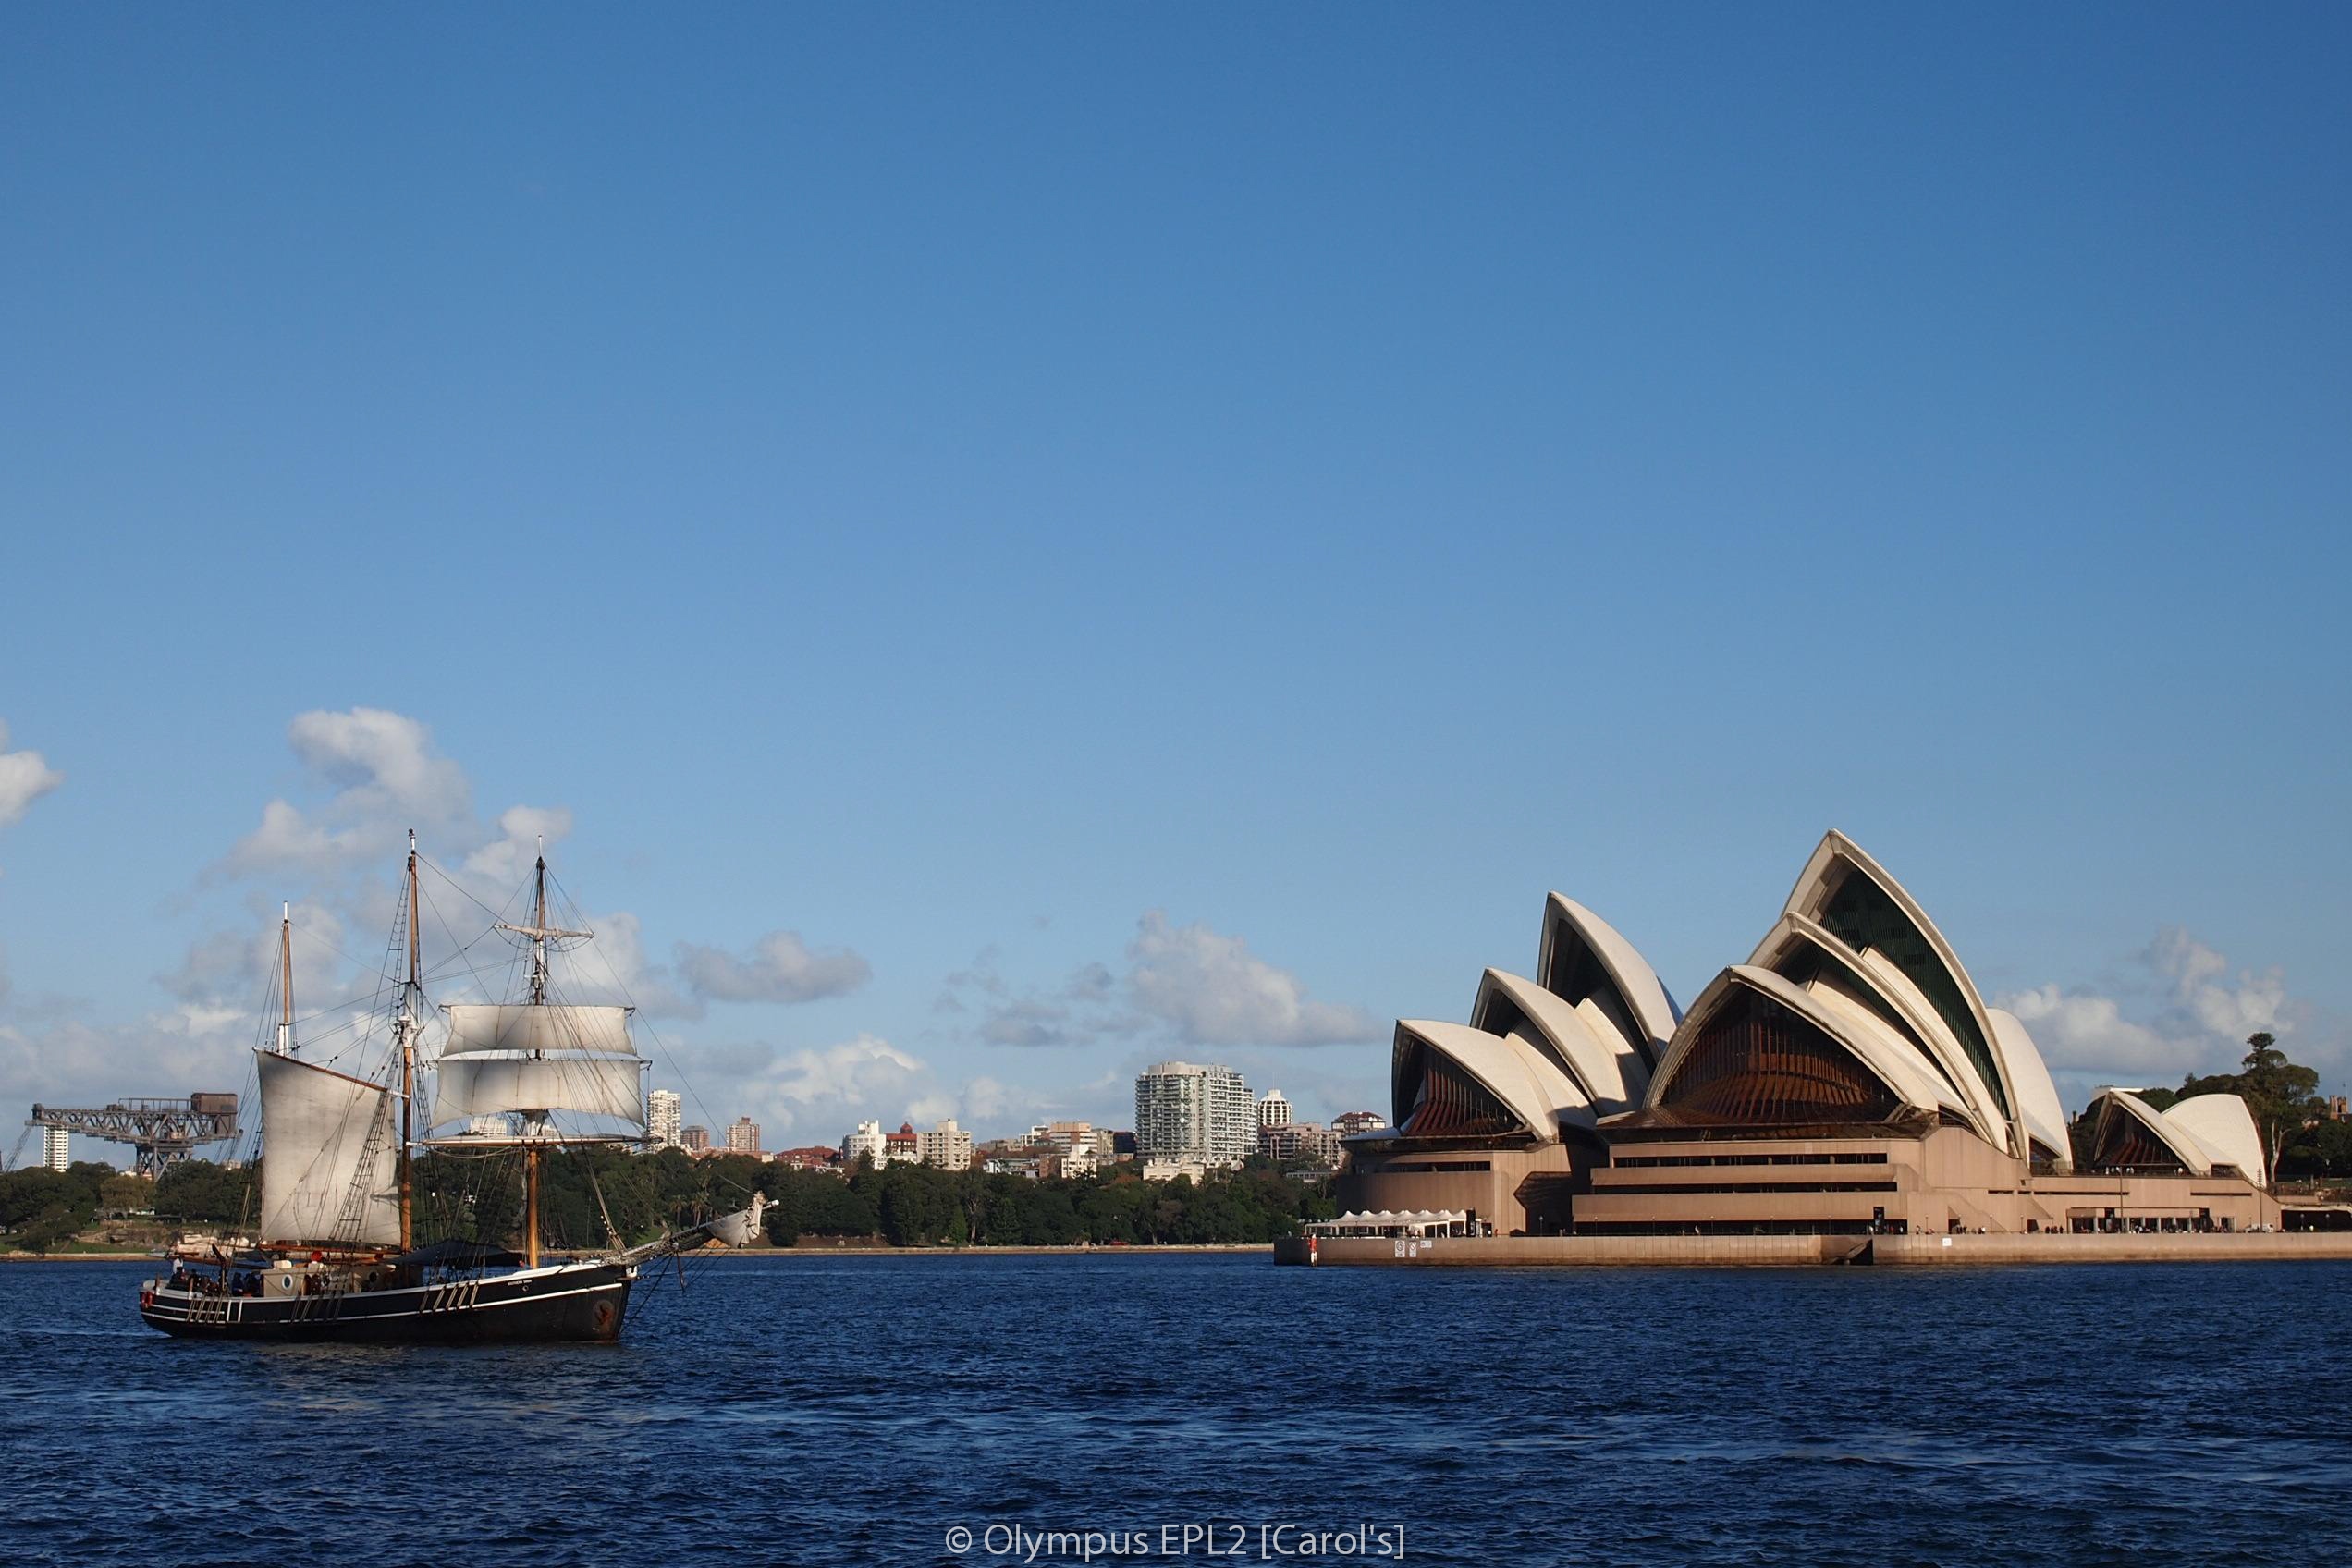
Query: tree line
x=2285, y=1099
x=589, y=1197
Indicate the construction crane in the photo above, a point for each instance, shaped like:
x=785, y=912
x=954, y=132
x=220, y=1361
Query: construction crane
x=161, y=1133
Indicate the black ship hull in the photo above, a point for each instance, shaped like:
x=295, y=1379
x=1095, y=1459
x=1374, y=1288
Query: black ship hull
x=572, y=1303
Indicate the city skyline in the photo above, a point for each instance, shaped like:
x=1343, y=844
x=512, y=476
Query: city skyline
x=960, y=649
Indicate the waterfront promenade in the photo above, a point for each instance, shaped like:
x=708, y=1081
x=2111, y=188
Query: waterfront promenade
x=1568, y=1252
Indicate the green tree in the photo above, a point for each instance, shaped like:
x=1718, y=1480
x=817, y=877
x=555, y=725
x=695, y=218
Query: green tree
x=1047, y=1217
x=2282, y=1095
x=197, y=1191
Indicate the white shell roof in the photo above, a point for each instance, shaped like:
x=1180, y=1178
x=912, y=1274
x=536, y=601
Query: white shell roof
x=2224, y=1125
x=2185, y=1146
x=1635, y=980
x=1516, y=1072
x=1950, y=1062
x=2038, y=1103
x=1611, y=1073
x=1892, y=1063
x=1811, y=891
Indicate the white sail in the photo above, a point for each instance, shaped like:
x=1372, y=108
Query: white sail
x=330, y=1155
x=487, y=1026
x=485, y=1084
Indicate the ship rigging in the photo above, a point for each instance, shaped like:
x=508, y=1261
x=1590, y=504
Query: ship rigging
x=337, y=1253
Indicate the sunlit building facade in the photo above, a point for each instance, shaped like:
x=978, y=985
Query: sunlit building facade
x=1847, y=1078
x=664, y=1128
x=1195, y=1115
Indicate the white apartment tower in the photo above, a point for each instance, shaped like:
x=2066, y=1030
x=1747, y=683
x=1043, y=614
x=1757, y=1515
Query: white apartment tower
x=663, y=1129
x=1273, y=1111
x=945, y=1147
x=743, y=1137
x=868, y=1140
x=1186, y=1112
x=55, y=1142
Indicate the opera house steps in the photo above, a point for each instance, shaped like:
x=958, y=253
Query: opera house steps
x=1846, y=1086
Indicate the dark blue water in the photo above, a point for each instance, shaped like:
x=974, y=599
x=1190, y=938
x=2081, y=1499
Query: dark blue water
x=856, y=1410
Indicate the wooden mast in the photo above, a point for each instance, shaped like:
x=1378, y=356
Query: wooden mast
x=531, y=1206
x=285, y=979
x=538, y=998
x=408, y=1059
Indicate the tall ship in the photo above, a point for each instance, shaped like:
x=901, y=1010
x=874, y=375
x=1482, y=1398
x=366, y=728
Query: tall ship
x=334, y=1252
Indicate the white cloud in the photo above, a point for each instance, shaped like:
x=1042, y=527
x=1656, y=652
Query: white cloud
x=2085, y=1033
x=1212, y=990
x=381, y=760
x=779, y=968
x=2255, y=1001
x=25, y=777
x=287, y=839
x=817, y=1095
x=523, y=832
x=384, y=777
x=2181, y=1012
x=1190, y=985
x=614, y=969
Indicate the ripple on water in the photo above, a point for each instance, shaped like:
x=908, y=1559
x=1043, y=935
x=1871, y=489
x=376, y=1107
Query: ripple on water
x=849, y=1410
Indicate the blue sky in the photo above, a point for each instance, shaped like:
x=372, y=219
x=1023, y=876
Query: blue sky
x=1165, y=532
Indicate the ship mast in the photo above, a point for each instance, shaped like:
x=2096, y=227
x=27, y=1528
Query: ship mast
x=286, y=980
x=538, y=998
x=534, y=1124
x=410, y=995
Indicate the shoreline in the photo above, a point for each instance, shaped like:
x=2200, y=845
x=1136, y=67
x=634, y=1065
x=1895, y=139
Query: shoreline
x=883, y=1251
x=1785, y=1251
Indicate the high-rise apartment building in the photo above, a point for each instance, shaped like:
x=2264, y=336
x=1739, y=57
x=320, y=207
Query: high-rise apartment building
x=868, y=1141
x=945, y=1147
x=662, y=1127
x=1273, y=1111
x=694, y=1140
x=1189, y=1112
x=742, y=1136
x=56, y=1145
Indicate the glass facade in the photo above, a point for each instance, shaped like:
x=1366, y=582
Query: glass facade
x=1572, y=973
x=1859, y=913
x=1755, y=1064
x=1438, y=1099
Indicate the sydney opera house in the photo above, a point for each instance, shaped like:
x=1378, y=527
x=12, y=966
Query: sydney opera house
x=1846, y=1079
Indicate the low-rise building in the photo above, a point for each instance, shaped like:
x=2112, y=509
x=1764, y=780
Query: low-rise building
x=1303, y=1141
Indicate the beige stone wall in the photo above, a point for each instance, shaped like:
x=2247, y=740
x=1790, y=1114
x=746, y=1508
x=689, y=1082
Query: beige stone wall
x=1949, y=1179
x=1785, y=1251
x=1496, y=1194
x=1515, y=1252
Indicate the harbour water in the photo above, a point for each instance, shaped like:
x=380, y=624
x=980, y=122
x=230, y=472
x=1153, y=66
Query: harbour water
x=857, y=1410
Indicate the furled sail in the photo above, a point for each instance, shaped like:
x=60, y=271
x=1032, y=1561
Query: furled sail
x=484, y=1027
x=330, y=1155
x=538, y=1059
